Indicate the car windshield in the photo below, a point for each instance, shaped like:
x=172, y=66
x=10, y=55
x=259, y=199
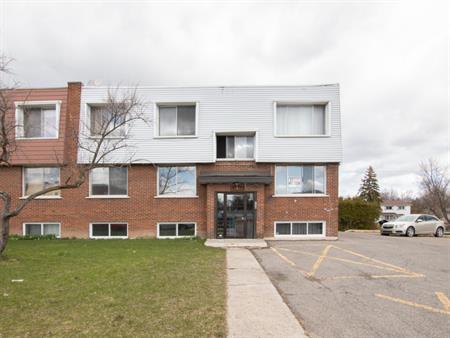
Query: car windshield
x=408, y=218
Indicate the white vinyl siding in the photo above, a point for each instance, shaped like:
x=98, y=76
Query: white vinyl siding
x=220, y=110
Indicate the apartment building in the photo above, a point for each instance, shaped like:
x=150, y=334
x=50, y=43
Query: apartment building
x=214, y=162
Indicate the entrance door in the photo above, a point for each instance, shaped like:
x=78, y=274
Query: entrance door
x=235, y=215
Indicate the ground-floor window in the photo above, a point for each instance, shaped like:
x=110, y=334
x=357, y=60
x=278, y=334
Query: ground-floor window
x=108, y=230
x=299, y=228
x=174, y=230
x=42, y=229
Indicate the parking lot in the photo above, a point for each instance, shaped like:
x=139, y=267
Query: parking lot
x=364, y=285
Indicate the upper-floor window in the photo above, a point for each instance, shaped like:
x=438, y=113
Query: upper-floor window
x=103, y=122
x=388, y=207
x=109, y=181
x=306, y=179
x=176, y=181
x=301, y=120
x=401, y=207
x=235, y=147
x=177, y=120
x=37, y=120
x=37, y=179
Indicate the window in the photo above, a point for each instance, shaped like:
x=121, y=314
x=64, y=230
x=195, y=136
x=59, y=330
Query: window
x=108, y=230
x=294, y=180
x=41, y=229
x=173, y=230
x=109, y=181
x=300, y=119
x=37, y=179
x=299, y=228
x=388, y=207
x=235, y=147
x=401, y=207
x=177, y=120
x=38, y=120
x=176, y=181
x=102, y=120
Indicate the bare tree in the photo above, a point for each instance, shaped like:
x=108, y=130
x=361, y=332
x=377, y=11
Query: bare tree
x=105, y=134
x=435, y=185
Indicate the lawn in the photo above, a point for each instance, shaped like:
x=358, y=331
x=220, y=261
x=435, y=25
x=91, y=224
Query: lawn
x=153, y=288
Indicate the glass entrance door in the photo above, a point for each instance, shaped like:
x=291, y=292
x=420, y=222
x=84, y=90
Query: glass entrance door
x=235, y=215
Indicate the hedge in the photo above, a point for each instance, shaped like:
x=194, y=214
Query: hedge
x=355, y=213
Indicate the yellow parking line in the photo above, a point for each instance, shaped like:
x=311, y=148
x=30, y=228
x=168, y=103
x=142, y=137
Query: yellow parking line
x=320, y=260
x=444, y=300
x=349, y=261
x=376, y=261
x=388, y=268
x=287, y=260
x=420, y=306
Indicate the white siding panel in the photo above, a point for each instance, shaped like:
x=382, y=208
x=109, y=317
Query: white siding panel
x=228, y=109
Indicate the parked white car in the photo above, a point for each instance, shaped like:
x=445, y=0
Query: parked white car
x=415, y=224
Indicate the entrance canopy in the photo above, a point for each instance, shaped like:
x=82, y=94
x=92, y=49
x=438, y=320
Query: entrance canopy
x=262, y=177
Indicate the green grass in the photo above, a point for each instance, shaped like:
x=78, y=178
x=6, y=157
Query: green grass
x=152, y=288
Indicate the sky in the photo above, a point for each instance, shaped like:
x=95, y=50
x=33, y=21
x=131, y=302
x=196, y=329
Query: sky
x=391, y=59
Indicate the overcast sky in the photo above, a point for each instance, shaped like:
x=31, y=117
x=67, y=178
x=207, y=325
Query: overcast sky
x=391, y=59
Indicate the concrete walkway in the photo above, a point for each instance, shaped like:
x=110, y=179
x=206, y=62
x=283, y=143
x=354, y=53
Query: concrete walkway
x=236, y=243
x=255, y=308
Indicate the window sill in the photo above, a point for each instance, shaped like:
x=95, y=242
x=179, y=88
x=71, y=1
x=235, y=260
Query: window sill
x=174, y=237
x=303, y=136
x=92, y=137
x=302, y=195
x=181, y=136
x=36, y=138
x=235, y=159
x=108, y=237
x=174, y=196
x=107, y=196
x=43, y=198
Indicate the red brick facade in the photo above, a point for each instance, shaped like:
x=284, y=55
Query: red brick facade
x=143, y=209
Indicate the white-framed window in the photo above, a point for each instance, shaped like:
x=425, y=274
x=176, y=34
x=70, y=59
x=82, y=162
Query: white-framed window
x=401, y=207
x=235, y=147
x=300, y=179
x=102, y=120
x=108, y=230
x=177, y=181
x=42, y=229
x=300, y=228
x=177, y=120
x=37, y=179
x=388, y=207
x=37, y=119
x=177, y=229
x=109, y=181
x=301, y=119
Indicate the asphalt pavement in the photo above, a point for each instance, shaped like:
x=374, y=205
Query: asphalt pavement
x=364, y=285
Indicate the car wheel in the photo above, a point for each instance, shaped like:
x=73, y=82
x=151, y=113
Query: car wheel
x=410, y=232
x=439, y=232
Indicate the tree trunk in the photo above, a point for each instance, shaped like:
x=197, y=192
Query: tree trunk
x=5, y=234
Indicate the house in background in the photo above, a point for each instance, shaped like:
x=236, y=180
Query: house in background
x=393, y=209
x=215, y=162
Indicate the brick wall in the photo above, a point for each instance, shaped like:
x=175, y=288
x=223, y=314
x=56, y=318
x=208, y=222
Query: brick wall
x=142, y=210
